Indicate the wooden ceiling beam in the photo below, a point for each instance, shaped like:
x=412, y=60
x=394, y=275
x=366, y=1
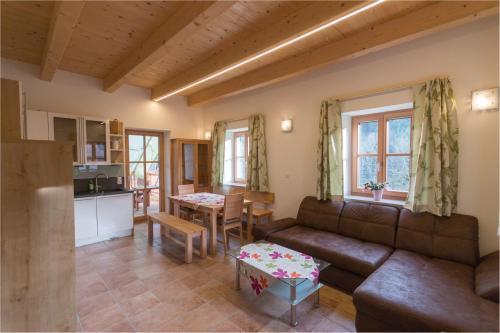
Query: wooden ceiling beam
x=421, y=22
x=190, y=18
x=64, y=19
x=246, y=45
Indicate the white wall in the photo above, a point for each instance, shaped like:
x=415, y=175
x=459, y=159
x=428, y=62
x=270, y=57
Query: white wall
x=83, y=95
x=468, y=54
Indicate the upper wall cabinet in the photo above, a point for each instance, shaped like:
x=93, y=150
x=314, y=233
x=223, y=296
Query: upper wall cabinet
x=96, y=134
x=64, y=127
x=90, y=136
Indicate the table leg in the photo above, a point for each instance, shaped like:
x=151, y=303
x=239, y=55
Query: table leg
x=237, y=277
x=188, y=255
x=177, y=208
x=213, y=232
x=249, y=223
x=316, y=299
x=293, y=307
x=150, y=229
x=203, y=245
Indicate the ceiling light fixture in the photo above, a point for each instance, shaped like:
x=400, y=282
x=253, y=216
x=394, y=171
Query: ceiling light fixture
x=276, y=48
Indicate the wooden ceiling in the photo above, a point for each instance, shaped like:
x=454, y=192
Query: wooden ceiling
x=168, y=45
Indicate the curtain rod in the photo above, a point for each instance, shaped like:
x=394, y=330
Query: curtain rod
x=386, y=89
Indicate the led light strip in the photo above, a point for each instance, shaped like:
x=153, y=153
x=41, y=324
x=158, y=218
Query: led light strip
x=274, y=49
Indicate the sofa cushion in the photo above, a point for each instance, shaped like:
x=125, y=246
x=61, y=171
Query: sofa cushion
x=487, y=277
x=369, y=222
x=350, y=254
x=262, y=231
x=453, y=238
x=320, y=214
x=413, y=292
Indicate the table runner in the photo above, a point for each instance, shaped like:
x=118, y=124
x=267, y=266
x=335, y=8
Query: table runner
x=261, y=259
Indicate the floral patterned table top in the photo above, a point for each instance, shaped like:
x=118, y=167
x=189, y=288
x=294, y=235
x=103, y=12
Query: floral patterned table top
x=202, y=199
x=276, y=261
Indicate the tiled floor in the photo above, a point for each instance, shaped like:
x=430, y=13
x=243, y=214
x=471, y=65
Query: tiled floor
x=128, y=285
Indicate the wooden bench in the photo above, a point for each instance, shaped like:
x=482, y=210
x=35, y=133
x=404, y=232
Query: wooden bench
x=189, y=230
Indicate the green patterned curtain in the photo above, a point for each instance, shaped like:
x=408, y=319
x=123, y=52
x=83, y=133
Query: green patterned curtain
x=330, y=184
x=257, y=179
x=434, y=172
x=218, y=139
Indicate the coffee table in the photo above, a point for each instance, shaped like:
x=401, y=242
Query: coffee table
x=279, y=280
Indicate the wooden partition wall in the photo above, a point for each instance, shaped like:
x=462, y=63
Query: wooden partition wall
x=37, y=227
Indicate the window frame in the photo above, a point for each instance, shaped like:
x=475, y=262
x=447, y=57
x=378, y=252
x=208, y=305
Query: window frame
x=382, y=154
x=234, y=157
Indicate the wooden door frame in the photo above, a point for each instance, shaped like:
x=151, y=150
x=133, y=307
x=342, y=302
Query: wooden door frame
x=160, y=135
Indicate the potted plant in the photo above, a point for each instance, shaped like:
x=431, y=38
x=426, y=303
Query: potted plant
x=376, y=188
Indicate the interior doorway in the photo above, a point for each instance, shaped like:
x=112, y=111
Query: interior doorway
x=145, y=169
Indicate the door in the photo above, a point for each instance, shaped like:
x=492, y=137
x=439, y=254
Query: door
x=66, y=128
x=145, y=170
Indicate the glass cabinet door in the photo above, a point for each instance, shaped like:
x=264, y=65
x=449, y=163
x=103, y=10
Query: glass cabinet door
x=187, y=163
x=203, y=163
x=96, y=141
x=65, y=128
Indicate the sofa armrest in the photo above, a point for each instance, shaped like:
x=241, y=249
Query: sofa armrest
x=487, y=277
x=262, y=231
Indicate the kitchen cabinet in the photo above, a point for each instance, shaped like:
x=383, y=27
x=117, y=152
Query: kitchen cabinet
x=114, y=213
x=63, y=127
x=37, y=125
x=96, y=138
x=102, y=217
x=85, y=221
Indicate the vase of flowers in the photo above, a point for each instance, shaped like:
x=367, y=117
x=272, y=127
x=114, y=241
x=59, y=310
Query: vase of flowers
x=377, y=189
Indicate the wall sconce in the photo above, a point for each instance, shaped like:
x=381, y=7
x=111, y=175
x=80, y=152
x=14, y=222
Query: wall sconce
x=208, y=135
x=484, y=100
x=286, y=125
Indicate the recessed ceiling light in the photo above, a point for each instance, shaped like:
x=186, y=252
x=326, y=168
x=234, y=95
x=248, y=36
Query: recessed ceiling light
x=274, y=49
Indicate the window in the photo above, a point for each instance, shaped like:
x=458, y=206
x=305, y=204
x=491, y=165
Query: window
x=235, y=156
x=381, y=152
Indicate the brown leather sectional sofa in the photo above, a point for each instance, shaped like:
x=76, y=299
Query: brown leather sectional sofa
x=407, y=271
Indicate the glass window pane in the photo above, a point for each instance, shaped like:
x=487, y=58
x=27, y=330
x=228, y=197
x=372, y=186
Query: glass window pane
x=65, y=129
x=367, y=170
x=240, y=145
x=368, y=137
x=136, y=175
x=187, y=163
x=241, y=167
x=228, y=161
x=398, y=136
x=398, y=173
x=135, y=147
x=96, y=140
x=153, y=174
x=152, y=148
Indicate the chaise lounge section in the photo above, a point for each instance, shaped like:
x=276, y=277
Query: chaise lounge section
x=407, y=271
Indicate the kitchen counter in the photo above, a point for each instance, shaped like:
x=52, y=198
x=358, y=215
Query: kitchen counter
x=100, y=194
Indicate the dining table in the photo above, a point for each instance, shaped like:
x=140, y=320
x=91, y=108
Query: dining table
x=211, y=204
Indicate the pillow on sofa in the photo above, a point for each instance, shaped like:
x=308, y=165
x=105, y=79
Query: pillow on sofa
x=487, y=277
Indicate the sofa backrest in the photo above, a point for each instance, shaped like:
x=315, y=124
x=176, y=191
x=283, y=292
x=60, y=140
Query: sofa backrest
x=320, y=214
x=453, y=238
x=369, y=222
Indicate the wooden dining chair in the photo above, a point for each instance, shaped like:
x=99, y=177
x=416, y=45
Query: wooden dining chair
x=186, y=213
x=232, y=217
